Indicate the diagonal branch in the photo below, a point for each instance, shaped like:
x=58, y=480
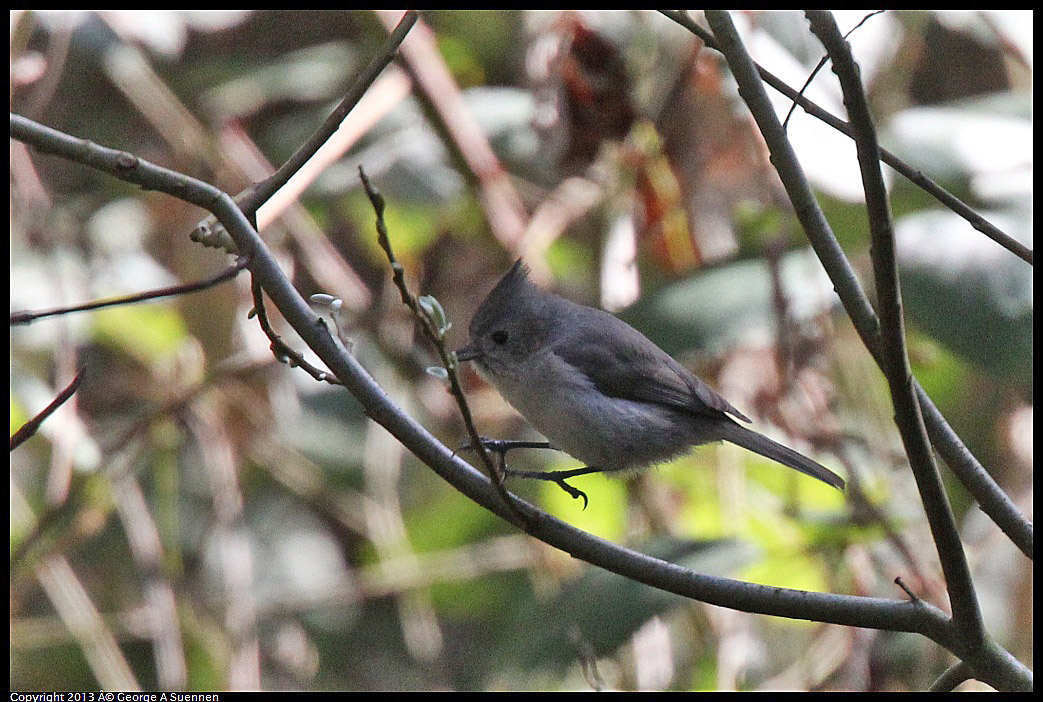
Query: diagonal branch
x=268, y=187
x=962, y=596
x=957, y=456
x=28, y=429
x=250, y=200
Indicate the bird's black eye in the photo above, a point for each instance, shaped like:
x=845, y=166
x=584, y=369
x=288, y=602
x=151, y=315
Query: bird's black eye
x=499, y=336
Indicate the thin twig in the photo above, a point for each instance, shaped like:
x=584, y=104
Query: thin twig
x=283, y=353
x=437, y=337
x=820, y=65
x=29, y=428
x=268, y=187
x=905, y=588
x=232, y=271
x=209, y=232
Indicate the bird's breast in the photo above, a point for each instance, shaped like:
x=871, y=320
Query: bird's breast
x=610, y=433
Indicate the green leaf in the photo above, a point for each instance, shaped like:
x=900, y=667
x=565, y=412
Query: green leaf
x=968, y=293
x=146, y=331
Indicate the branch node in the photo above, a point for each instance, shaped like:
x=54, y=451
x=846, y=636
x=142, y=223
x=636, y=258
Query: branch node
x=912, y=595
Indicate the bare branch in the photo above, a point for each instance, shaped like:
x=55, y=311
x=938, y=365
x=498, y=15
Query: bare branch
x=948, y=681
x=957, y=456
x=437, y=337
x=822, y=64
x=209, y=233
x=895, y=355
x=28, y=429
x=232, y=271
x=280, y=349
x=260, y=193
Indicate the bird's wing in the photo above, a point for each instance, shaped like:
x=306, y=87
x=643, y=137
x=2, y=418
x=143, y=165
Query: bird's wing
x=620, y=366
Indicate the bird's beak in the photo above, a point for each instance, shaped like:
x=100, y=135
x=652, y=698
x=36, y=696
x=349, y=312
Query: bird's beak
x=467, y=353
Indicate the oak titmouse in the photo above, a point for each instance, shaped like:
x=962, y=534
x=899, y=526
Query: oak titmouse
x=600, y=390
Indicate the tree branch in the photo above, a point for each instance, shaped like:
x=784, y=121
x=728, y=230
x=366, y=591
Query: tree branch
x=878, y=613
x=27, y=430
x=959, y=672
x=251, y=199
x=232, y=271
x=964, y=600
x=957, y=456
x=270, y=185
x=1001, y=670
x=435, y=333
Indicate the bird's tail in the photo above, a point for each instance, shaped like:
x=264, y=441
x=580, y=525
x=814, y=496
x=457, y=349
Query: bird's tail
x=758, y=443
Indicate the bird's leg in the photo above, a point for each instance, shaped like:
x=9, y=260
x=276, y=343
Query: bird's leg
x=558, y=477
x=501, y=446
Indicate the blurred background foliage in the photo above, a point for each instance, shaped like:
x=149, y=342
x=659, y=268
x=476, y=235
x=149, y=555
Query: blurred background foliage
x=200, y=516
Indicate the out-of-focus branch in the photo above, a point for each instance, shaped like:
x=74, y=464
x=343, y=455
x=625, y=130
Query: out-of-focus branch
x=146, y=549
x=232, y=271
x=501, y=202
x=29, y=428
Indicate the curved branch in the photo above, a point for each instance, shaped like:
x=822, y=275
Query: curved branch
x=959, y=673
x=209, y=234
